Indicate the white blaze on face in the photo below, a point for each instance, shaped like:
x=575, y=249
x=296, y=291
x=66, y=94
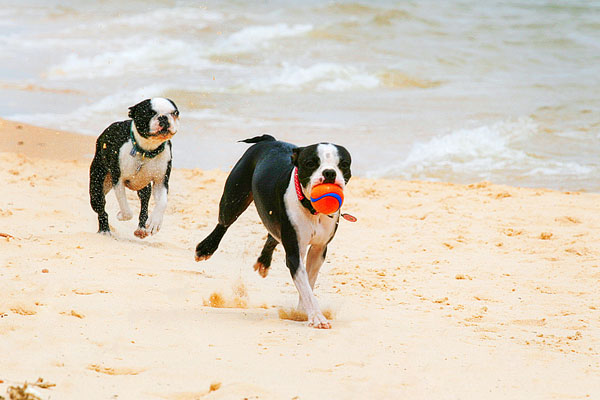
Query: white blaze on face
x=164, y=107
x=330, y=158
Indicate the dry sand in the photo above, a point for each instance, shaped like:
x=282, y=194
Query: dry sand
x=439, y=291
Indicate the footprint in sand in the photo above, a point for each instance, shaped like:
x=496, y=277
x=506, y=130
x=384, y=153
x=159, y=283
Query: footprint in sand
x=530, y=322
x=114, y=371
x=566, y=220
x=23, y=310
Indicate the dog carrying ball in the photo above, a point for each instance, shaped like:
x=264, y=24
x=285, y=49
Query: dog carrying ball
x=327, y=198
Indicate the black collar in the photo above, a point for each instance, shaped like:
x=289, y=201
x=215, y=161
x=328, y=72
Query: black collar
x=137, y=149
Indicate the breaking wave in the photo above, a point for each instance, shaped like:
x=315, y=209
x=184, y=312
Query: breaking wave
x=483, y=153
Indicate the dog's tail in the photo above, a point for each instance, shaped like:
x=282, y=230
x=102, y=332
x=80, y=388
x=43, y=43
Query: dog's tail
x=257, y=139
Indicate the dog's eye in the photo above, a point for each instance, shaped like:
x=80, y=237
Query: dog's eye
x=345, y=164
x=310, y=164
x=175, y=113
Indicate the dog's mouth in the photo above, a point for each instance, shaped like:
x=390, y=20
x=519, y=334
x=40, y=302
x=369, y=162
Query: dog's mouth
x=163, y=134
x=326, y=181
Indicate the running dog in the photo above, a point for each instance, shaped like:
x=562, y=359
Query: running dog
x=279, y=178
x=135, y=154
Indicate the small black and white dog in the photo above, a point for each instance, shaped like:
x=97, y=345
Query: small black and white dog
x=279, y=177
x=135, y=154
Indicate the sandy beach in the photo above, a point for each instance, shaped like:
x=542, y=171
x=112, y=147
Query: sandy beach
x=439, y=291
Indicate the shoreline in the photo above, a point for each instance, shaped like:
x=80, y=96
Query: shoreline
x=40, y=142
x=440, y=290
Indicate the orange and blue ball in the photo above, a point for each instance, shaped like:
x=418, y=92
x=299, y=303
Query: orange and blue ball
x=327, y=198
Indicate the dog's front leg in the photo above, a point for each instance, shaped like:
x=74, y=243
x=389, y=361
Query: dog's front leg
x=295, y=263
x=314, y=261
x=159, y=192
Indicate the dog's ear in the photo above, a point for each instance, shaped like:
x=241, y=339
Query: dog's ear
x=141, y=108
x=295, y=154
x=175, y=107
x=132, y=111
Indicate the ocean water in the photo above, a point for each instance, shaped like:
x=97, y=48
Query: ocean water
x=458, y=90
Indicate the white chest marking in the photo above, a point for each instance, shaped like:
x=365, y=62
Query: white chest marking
x=137, y=171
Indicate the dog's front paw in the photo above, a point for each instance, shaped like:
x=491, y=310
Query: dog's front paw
x=124, y=216
x=141, y=233
x=154, y=224
x=318, y=321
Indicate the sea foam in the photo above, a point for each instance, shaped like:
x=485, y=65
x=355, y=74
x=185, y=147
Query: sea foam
x=489, y=152
x=319, y=77
x=253, y=37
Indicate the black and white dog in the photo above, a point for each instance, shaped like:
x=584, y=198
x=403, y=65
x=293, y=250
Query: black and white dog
x=279, y=177
x=135, y=154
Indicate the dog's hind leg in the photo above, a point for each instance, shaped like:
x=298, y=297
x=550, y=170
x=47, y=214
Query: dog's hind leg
x=98, y=173
x=206, y=248
x=266, y=255
x=237, y=196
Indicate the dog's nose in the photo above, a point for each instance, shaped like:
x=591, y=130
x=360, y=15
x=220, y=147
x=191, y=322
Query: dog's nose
x=329, y=175
x=163, y=121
